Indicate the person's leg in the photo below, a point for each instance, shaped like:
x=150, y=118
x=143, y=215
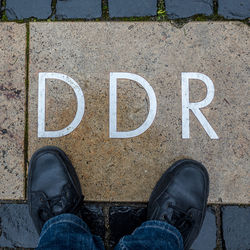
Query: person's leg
x=176, y=210
x=67, y=231
x=54, y=198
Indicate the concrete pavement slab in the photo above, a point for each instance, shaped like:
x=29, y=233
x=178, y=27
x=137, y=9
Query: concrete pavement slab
x=126, y=169
x=12, y=106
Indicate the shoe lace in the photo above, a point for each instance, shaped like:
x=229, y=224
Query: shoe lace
x=46, y=211
x=180, y=219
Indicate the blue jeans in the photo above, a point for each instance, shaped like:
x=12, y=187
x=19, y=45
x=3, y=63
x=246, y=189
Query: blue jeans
x=68, y=231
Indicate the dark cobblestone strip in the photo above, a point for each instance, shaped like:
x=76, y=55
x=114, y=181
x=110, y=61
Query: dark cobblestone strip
x=124, y=220
x=180, y=11
x=112, y=221
x=1, y=9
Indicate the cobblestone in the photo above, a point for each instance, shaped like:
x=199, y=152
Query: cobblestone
x=94, y=217
x=207, y=237
x=124, y=220
x=236, y=227
x=73, y=9
x=186, y=8
x=129, y=8
x=0, y=10
x=234, y=9
x=16, y=226
x=18, y=10
x=17, y=229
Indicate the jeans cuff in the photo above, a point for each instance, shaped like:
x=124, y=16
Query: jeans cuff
x=163, y=226
x=64, y=218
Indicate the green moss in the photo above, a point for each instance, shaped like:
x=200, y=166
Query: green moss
x=4, y=17
x=161, y=5
x=144, y=18
x=200, y=18
x=105, y=10
x=217, y=17
x=161, y=13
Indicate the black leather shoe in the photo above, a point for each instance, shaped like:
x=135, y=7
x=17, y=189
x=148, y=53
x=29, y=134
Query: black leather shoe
x=180, y=198
x=53, y=186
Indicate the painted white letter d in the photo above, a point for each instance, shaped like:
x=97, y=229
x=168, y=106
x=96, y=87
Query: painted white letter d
x=113, y=133
x=41, y=105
